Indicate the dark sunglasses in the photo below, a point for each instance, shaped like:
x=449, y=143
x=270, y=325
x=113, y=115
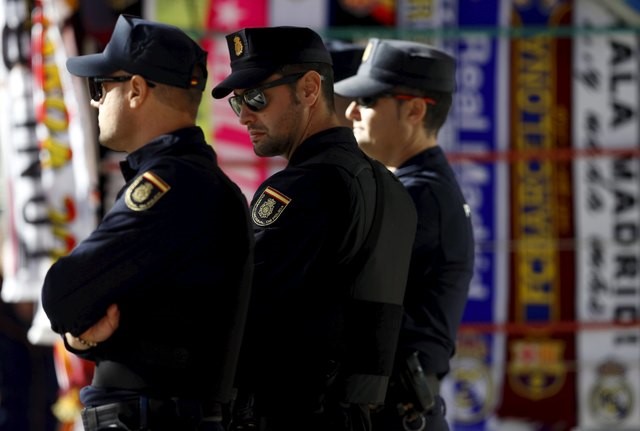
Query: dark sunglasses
x=370, y=101
x=255, y=99
x=95, y=84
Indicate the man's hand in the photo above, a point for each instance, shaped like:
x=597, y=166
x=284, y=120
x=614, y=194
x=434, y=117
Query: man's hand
x=99, y=332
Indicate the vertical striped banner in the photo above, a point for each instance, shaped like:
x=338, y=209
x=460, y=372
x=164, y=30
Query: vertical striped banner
x=67, y=152
x=49, y=165
x=539, y=375
x=480, y=103
x=27, y=235
x=607, y=199
x=48, y=160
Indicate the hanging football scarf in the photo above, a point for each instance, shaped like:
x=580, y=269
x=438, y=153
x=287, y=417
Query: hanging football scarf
x=26, y=230
x=542, y=286
x=607, y=199
x=66, y=152
x=481, y=101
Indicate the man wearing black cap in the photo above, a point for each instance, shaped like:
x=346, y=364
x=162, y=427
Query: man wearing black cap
x=333, y=238
x=157, y=295
x=403, y=92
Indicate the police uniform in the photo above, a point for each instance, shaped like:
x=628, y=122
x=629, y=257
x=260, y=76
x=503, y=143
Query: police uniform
x=443, y=253
x=305, y=249
x=333, y=239
x=442, y=256
x=175, y=254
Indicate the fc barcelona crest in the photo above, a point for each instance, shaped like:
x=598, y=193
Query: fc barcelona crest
x=269, y=206
x=145, y=191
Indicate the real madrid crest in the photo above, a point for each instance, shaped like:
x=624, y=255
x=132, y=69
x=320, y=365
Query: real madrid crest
x=269, y=206
x=611, y=398
x=473, y=380
x=145, y=191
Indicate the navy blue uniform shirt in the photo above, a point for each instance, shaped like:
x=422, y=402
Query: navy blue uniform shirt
x=174, y=252
x=442, y=260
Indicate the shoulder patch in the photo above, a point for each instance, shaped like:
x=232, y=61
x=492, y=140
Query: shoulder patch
x=269, y=206
x=145, y=191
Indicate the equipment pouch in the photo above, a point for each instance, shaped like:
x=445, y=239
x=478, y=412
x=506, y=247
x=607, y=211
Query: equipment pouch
x=417, y=385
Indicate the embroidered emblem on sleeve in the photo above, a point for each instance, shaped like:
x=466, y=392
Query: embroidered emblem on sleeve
x=269, y=206
x=145, y=191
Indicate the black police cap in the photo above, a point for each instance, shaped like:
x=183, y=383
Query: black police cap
x=257, y=53
x=390, y=63
x=346, y=57
x=159, y=52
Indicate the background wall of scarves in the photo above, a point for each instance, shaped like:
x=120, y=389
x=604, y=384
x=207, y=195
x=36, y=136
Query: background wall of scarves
x=544, y=137
x=48, y=153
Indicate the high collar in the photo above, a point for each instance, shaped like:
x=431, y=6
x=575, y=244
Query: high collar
x=178, y=142
x=317, y=143
x=419, y=160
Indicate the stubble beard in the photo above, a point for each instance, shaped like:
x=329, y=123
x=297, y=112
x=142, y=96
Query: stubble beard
x=278, y=145
x=268, y=147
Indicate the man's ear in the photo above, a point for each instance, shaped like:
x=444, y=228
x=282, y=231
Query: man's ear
x=138, y=92
x=311, y=86
x=416, y=109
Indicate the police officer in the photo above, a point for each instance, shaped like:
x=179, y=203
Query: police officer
x=403, y=92
x=333, y=238
x=156, y=296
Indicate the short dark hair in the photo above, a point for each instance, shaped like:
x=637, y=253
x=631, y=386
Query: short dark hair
x=436, y=113
x=188, y=99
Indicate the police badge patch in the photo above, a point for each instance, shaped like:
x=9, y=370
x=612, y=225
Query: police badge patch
x=269, y=206
x=145, y=191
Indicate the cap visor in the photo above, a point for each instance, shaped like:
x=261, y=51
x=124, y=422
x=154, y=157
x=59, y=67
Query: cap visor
x=90, y=65
x=246, y=78
x=360, y=86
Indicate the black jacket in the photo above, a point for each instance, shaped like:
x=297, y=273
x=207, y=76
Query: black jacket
x=320, y=310
x=175, y=253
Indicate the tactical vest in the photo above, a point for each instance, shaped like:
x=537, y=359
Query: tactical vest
x=379, y=273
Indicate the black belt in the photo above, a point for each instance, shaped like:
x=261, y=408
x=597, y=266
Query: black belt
x=144, y=413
